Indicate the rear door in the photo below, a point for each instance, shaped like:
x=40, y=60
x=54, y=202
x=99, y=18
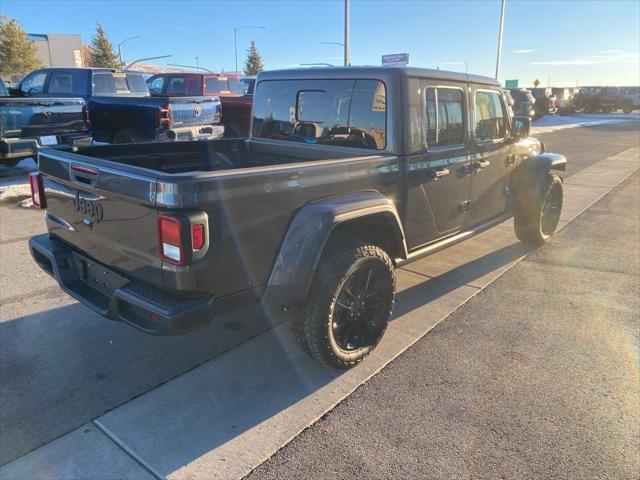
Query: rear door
x=105, y=210
x=494, y=156
x=443, y=169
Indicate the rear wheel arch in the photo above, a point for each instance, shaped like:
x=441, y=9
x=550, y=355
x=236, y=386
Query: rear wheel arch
x=381, y=229
x=314, y=231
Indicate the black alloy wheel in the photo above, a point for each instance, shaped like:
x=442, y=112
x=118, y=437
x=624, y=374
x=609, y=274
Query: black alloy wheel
x=360, y=310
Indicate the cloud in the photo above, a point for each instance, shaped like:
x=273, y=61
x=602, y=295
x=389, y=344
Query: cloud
x=608, y=56
x=526, y=50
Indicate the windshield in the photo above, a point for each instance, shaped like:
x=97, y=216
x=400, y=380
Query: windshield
x=116, y=84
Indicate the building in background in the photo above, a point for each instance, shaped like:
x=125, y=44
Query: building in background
x=58, y=49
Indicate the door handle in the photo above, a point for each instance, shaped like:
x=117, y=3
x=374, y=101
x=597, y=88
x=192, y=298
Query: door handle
x=511, y=159
x=439, y=173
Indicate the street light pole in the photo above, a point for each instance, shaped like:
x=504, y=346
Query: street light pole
x=235, y=40
x=120, y=50
x=346, y=33
x=500, y=39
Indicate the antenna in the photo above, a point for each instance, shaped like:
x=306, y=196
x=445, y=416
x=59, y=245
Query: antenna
x=190, y=66
x=143, y=60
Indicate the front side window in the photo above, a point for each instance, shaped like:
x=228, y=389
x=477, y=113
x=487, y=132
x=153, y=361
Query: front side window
x=445, y=117
x=345, y=113
x=491, y=121
x=68, y=82
x=34, y=84
x=177, y=86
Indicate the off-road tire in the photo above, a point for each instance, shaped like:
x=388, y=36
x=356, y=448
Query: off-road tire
x=312, y=324
x=529, y=220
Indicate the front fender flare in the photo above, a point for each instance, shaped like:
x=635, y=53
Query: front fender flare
x=307, y=235
x=529, y=177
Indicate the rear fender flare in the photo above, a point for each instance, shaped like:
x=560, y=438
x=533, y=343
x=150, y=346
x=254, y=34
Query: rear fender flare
x=307, y=235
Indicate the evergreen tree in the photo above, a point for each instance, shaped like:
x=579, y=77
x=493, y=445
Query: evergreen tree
x=17, y=52
x=253, y=64
x=101, y=50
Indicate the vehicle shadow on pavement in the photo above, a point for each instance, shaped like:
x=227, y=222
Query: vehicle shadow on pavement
x=432, y=288
x=63, y=367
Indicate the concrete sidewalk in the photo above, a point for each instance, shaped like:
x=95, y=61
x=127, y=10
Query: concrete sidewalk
x=536, y=377
x=227, y=416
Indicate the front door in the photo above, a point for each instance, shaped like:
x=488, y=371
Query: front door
x=494, y=157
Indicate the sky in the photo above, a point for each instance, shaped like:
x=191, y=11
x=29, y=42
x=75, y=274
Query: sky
x=561, y=43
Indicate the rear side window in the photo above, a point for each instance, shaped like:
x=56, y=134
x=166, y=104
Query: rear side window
x=491, y=120
x=445, y=117
x=68, y=82
x=346, y=113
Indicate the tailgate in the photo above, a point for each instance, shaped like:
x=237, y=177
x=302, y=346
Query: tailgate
x=105, y=210
x=190, y=111
x=32, y=117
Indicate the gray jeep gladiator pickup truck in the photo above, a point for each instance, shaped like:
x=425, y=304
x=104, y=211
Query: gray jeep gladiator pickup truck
x=348, y=174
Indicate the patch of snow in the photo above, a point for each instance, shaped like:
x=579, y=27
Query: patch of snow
x=13, y=190
x=27, y=164
x=26, y=203
x=552, y=123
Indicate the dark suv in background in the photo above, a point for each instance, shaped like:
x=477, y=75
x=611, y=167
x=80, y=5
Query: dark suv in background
x=545, y=101
x=523, y=102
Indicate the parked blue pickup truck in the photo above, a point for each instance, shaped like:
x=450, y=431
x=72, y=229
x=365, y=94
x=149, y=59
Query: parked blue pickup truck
x=29, y=124
x=121, y=109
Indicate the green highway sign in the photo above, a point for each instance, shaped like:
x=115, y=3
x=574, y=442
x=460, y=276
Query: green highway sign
x=511, y=84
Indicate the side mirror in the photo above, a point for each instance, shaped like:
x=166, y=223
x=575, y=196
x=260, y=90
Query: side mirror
x=521, y=127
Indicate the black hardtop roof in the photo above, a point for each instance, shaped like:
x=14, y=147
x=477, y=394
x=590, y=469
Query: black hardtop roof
x=373, y=71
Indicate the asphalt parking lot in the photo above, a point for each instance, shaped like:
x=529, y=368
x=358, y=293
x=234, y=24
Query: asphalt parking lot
x=535, y=377
x=62, y=366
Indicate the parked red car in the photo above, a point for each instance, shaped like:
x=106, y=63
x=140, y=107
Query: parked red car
x=236, y=106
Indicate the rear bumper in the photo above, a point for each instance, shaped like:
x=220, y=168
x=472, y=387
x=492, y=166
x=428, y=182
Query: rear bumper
x=117, y=297
x=198, y=132
x=12, y=148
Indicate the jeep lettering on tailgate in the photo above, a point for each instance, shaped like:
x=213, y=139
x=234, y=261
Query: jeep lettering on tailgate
x=89, y=208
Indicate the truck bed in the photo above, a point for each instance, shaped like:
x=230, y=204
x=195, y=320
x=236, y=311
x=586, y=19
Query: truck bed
x=203, y=156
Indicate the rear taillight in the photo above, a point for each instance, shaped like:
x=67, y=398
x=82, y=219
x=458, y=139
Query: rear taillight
x=197, y=236
x=85, y=117
x=183, y=239
x=170, y=239
x=164, y=115
x=37, y=190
